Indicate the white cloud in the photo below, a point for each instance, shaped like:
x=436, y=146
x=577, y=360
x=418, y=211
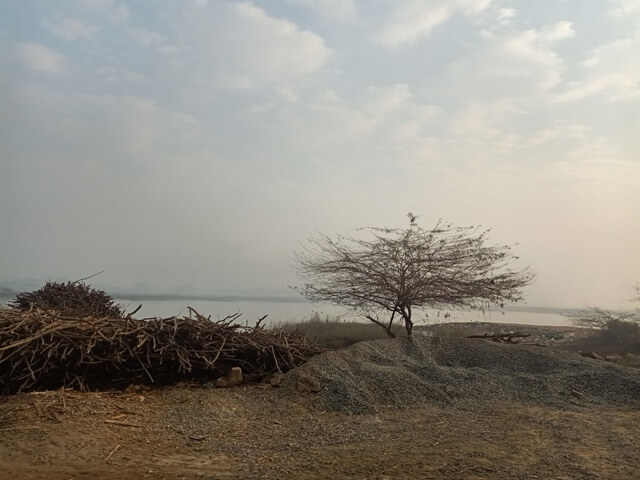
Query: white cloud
x=150, y=39
x=114, y=74
x=506, y=64
x=533, y=51
x=559, y=130
x=624, y=87
x=40, y=58
x=377, y=126
x=114, y=11
x=70, y=28
x=611, y=70
x=146, y=38
x=335, y=9
x=122, y=126
x=557, y=31
x=480, y=132
x=623, y=8
x=239, y=45
x=505, y=15
x=412, y=20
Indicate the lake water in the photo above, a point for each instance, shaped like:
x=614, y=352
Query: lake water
x=286, y=311
x=297, y=311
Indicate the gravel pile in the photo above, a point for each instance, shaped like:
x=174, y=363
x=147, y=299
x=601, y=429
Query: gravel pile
x=464, y=373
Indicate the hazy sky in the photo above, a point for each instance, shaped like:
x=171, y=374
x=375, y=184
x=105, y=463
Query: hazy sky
x=193, y=144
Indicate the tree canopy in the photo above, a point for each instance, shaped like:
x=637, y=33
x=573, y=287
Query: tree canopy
x=395, y=271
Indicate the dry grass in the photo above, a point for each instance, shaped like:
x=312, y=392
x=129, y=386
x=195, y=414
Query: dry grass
x=455, y=329
x=335, y=333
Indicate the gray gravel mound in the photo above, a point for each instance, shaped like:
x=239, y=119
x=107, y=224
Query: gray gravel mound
x=464, y=373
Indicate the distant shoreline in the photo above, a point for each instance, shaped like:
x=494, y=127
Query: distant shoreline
x=6, y=295
x=206, y=298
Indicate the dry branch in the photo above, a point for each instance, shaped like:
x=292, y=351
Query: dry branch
x=115, y=449
x=501, y=337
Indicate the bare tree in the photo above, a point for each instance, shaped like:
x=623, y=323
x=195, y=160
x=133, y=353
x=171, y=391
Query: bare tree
x=394, y=271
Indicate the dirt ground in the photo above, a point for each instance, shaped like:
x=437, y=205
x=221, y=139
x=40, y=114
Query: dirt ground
x=257, y=432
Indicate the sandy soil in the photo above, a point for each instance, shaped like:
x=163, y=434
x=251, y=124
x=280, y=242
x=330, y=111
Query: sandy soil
x=259, y=432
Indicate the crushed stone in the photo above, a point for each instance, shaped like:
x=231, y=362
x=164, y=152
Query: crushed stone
x=463, y=373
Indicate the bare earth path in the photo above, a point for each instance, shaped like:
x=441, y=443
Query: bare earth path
x=254, y=432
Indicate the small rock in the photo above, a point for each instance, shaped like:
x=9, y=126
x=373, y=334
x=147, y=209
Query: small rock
x=134, y=388
x=307, y=384
x=276, y=380
x=234, y=378
x=592, y=355
x=221, y=382
x=576, y=394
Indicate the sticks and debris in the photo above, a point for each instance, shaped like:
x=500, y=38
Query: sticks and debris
x=42, y=350
x=115, y=449
x=121, y=423
x=502, y=337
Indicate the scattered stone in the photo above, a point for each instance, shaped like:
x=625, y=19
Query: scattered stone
x=307, y=383
x=576, y=394
x=276, y=380
x=135, y=388
x=234, y=378
x=592, y=355
x=461, y=373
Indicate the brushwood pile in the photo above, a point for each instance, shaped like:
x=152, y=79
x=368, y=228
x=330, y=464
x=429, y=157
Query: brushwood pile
x=66, y=335
x=71, y=298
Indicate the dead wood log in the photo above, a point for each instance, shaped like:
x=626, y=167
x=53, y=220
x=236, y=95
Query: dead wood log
x=501, y=337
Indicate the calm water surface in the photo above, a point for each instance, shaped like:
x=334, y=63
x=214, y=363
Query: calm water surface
x=285, y=311
x=292, y=311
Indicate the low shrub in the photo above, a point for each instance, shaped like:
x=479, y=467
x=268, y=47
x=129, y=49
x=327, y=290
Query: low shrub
x=615, y=337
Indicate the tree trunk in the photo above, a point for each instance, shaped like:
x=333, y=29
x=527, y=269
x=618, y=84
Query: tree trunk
x=387, y=328
x=408, y=324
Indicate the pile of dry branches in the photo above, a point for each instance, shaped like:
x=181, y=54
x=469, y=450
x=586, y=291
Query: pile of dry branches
x=73, y=298
x=42, y=350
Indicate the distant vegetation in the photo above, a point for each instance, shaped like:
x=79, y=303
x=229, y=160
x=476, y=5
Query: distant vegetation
x=616, y=337
x=613, y=332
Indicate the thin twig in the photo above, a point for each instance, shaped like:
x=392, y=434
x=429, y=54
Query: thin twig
x=115, y=449
x=90, y=276
x=122, y=424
